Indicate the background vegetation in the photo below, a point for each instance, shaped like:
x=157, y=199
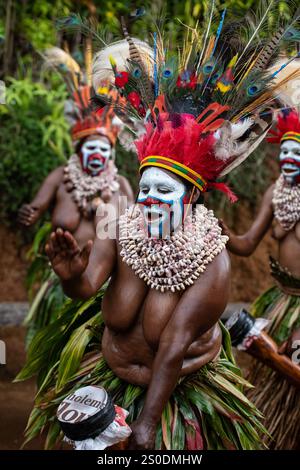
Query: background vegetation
x=34, y=136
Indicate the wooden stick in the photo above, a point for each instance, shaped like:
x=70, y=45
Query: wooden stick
x=265, y=350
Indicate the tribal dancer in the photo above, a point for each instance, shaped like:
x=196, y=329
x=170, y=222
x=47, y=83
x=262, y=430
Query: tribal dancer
x=75, y=192
x=164, y=355
x=273, y=395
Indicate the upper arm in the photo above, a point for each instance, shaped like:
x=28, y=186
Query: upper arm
x=201, y=305
x=263, y=219
x=48, y=189
x=126, y=190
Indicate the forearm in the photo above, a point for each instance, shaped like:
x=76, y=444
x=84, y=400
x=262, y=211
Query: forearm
x=242, y=245
x=165, y=374
x=79, y=287
x=41, y=202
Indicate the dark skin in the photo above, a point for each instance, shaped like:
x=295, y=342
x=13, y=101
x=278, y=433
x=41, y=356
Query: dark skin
x=288, y=245
x=53, y=195
x=150, y=338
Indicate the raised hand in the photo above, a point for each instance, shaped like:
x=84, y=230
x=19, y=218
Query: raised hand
x=67, y=259
x=28, y=215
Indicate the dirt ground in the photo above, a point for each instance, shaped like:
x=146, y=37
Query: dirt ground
x=13, y=267
x=16, y=399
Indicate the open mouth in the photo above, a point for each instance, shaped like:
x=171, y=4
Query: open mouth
x=95, y=165
x=153, y=216
x=289, y=169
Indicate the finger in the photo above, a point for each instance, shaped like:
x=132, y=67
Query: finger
x=86, y=251
x=27, y=209
x=71, y=243
x=53, y=242
x=61, y=239
x=24, y=221
x=57, y=241
x=49, y=251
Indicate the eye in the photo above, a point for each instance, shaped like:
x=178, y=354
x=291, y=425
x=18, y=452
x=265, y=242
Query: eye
x=144, y=190
x=91, y=147
x=103, y=149
x=164, y=190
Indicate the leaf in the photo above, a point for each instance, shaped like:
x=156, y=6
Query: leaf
x=178, y=432
x=73, y=351
x=54, y=435
x=166, y=420
x=132, y=392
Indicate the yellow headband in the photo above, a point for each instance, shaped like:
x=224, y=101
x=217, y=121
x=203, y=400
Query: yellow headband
x=291, y=136
x=177, y=168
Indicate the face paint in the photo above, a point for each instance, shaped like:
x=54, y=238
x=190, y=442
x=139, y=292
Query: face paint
x=290, y=161
x=162, y=198
x=94, y=155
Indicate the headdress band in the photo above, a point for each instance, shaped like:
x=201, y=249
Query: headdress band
x=175, y=167
x=291, y=136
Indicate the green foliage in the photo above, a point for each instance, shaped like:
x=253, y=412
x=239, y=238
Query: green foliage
x=34, y=140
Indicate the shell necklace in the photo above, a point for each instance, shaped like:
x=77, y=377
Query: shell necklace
x=172, y=263
x=286, y=202
x=84, y=187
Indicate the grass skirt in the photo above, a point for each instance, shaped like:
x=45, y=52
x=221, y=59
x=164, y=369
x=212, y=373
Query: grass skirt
x=278, y=400
x=49, y=298
x=207, y=410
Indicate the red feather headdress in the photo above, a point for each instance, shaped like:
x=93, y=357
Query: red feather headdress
x=204, y=109
x=94, y=122
x=287, y=127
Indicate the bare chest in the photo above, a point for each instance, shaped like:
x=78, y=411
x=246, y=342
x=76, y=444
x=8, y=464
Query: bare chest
x=280, y=234
x=131, y=307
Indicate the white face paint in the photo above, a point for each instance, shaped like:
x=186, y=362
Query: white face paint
x=290, y=160
x=162, y=198
x=95, y=154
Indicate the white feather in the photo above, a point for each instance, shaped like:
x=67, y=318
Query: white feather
x=227, y=145
x=250, y=145
x=102, y=70
x=289, y=92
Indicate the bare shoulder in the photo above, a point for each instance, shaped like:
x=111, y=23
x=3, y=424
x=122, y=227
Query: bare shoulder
x=125, y=186
x=214, y=284
x=203, y=303
x=56, y=175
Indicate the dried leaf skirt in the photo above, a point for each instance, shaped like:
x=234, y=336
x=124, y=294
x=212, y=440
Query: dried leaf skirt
x=207, y=410
x=278, y=400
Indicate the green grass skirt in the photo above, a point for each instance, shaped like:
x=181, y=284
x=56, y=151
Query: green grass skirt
x=46, y=302
x=278, y=400
x=207, y=410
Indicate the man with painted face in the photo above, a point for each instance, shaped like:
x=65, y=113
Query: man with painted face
x=280, y=208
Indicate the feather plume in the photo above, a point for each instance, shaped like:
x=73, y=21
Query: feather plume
x=102, y=70
x=57, y=58
x=212, y=100
x=287, y=90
